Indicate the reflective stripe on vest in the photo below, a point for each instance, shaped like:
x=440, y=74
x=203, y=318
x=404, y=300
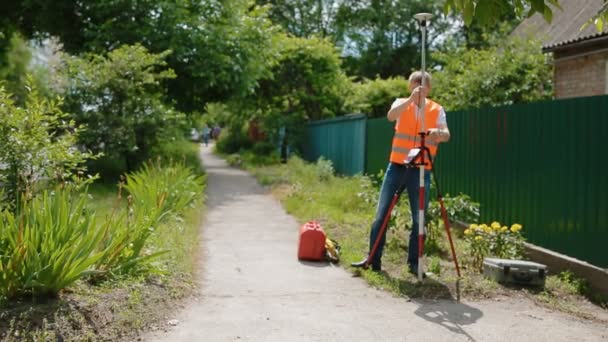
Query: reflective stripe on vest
x=406, y=137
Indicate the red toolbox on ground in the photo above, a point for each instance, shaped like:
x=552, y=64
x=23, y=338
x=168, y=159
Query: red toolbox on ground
x=311, y=245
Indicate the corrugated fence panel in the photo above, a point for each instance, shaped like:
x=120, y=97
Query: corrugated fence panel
x=542, y=165
x=378, y=144
x=341, y=140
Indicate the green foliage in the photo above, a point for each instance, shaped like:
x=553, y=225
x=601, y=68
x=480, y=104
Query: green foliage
x=574, y=284
x=324, y=169
x=119, y=98
x=459, y=209
x=303, y=18
x=435, y=265
x=181, y=150
x=155, y=192
x=382, y=38
x=220, y=48
x=488, y=12
x=263, y=148
x=307, y=84
x=15, y=70
x=514, y=72
x=169, y=188
x=56, y=238
x=493, y=241
x=233, y=140
x=37, y=142
x=373, y=97
x=52, y=242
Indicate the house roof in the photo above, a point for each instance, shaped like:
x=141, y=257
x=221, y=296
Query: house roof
x=565, y=28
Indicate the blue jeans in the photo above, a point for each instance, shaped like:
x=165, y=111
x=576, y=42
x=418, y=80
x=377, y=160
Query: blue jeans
x=396, y=176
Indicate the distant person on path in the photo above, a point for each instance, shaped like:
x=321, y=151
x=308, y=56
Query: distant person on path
x=405, y=112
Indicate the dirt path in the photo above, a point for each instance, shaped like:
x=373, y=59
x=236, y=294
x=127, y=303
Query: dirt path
x=252, y=288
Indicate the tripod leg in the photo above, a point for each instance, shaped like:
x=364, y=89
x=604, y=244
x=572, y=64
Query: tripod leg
x=372, y=253
x=444, y=215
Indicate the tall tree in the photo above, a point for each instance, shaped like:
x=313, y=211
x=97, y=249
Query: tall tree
x=220, y=47
x=304, y=18
x=381, y=38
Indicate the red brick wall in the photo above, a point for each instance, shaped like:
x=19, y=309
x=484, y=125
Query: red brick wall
x=580, y=76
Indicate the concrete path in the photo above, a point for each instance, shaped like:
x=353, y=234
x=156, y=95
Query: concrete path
x=252, y=288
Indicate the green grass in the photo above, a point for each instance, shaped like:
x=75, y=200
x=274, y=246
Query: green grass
x=345, y=207
x=129, y=302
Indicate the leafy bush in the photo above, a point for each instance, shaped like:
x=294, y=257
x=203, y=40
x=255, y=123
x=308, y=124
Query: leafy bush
x=459, y=209
x=307, y=84
x=263, y=148
x=120, y=99
x=324, y=169
x=53, y=242
x=493, y=240
x=181, y=150
x=169, y=188
x=514, y=72
x=57, y=239
x=155, y=192
x=232, y=141
x=37, y=142
x=374, y=97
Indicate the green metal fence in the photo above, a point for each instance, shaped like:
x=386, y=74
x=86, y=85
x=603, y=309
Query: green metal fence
x=341, y=140
x=542, y=165
x=378, y=144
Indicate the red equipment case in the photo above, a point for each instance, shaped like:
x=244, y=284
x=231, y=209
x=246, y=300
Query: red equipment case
x=311, y=245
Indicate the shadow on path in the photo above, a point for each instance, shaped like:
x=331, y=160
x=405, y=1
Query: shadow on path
x=451, y=315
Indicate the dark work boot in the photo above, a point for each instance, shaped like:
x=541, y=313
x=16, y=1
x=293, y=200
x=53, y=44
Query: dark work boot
x=363, y=264
x=360, y=264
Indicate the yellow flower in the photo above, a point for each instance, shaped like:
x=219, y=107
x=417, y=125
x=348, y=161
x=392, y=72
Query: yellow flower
x=495, y=225
x=516, y=228
x=483, y=227
x=504, y=229
x=468, y=232
x=478, y=238
x=473, y=226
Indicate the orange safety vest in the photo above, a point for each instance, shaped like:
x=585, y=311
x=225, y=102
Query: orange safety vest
x=407, y=128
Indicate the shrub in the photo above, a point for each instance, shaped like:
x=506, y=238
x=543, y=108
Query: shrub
x=56, y=239
x=37, y=142
x=263, y=148
x=493, y=240
x=514, y=72
x=374, y=97
x=232, y=141
x=324, y=169
x=155, y=192
x=459, y=209
x=53, y=242
x=180, y=150
x=120, y=98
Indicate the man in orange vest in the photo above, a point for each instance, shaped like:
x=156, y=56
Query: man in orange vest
x=405, y=112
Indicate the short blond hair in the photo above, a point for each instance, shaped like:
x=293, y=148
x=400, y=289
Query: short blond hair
x=416, y=77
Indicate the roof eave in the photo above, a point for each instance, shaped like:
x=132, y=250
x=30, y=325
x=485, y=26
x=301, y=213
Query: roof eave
x=576, y=44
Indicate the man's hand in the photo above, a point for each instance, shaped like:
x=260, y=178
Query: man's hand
x=439, y=134
x=418, y=94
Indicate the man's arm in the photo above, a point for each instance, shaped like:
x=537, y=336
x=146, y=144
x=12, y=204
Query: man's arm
x=397, y=108
x=441, y=133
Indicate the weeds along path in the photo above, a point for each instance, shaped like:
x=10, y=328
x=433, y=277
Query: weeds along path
x=253, y=288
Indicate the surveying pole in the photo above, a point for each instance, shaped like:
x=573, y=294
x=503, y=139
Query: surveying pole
x=423, y=19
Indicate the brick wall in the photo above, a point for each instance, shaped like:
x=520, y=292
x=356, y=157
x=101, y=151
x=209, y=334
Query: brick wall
x=580, y=76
